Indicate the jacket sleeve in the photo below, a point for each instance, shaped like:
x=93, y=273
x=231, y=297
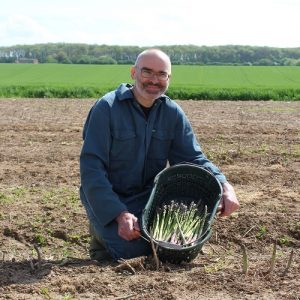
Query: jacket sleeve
x=185, y=147
x=94, y=163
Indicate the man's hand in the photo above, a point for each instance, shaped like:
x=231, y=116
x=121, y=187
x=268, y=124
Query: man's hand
x=229, y=202
x=128, y=226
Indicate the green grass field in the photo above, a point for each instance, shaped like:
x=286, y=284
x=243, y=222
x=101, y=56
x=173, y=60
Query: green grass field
x=196, y=82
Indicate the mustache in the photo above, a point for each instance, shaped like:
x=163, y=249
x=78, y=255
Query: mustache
x=152, y=84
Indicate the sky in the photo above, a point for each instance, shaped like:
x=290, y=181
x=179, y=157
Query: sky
x=273, y=23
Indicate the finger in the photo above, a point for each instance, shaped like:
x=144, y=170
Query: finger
x=132, y=235
x=136, y=226
x=125, y=231
x=229, y=209
x=221, y=209
x=136, y=234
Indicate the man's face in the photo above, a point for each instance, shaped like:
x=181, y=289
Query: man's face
x=151, y=76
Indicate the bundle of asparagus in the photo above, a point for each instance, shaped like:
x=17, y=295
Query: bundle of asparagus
x=178, y=223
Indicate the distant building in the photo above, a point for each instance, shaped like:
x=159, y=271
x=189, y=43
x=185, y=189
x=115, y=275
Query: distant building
x=27, y=61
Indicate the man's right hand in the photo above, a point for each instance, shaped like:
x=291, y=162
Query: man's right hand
x=128, y=226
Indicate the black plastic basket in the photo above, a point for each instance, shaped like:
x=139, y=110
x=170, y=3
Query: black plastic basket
x=183, y=183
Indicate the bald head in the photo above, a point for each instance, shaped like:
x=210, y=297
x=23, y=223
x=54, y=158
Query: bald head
x=154, y=55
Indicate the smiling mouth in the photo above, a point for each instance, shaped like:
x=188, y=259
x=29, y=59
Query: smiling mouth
x=153, y=89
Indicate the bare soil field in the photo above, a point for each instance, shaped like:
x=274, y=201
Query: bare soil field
x=43, y=227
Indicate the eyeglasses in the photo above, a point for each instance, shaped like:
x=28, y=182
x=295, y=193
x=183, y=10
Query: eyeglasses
x=148, y=73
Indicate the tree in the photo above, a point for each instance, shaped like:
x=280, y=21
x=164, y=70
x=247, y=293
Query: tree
x=179, y=54
x=62, y=57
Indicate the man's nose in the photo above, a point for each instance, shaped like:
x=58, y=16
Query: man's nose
x=154, y=78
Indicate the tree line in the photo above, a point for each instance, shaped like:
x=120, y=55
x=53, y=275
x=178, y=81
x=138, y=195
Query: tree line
x=180, y=54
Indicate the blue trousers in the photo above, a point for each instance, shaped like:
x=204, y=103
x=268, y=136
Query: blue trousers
x=108, y=235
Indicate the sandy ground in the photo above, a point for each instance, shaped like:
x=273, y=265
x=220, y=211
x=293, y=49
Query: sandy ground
x=256, y=144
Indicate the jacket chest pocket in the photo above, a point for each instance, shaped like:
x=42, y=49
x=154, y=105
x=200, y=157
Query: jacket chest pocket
x=123, y=145
x=160, y=144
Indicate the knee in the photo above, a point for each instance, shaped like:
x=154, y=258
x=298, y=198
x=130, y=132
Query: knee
x=128, y=249
x=116, y=246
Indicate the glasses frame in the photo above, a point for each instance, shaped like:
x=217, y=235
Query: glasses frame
x=149, y=74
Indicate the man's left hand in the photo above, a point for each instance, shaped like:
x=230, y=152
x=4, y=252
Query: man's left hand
x=229, y=202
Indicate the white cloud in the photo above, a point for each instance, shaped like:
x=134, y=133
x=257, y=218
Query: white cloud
x=159, y=22
x=21, y=29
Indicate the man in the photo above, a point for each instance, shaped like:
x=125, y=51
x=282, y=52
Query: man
x=129, y=137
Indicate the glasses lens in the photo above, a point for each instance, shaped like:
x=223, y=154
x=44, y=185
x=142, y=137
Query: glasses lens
x=150, y=74
x=163, y=76
x=146, y=73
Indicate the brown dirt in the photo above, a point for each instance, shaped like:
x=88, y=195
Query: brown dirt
x=256, y=144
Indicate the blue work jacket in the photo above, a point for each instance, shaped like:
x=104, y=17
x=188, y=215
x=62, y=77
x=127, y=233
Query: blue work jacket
x=123, y=151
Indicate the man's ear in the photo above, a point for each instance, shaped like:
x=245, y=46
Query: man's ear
x=132, y=72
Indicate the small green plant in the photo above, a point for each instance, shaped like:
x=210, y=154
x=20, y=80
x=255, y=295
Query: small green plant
x=48, y=197
x=74, y=238
x=67, y=297
x=40, y=239
x=4, y=199
x=219, y=265
x=263, y=148
x=262, y=231
x=45, y=292
x=66, y=252
x=13, y=195
x=295, y=224
x=19, y=191
x=73, y=197
x=296, y=152
x=284, y=241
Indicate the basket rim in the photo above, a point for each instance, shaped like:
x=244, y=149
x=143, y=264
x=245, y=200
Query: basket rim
x=186, y=165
